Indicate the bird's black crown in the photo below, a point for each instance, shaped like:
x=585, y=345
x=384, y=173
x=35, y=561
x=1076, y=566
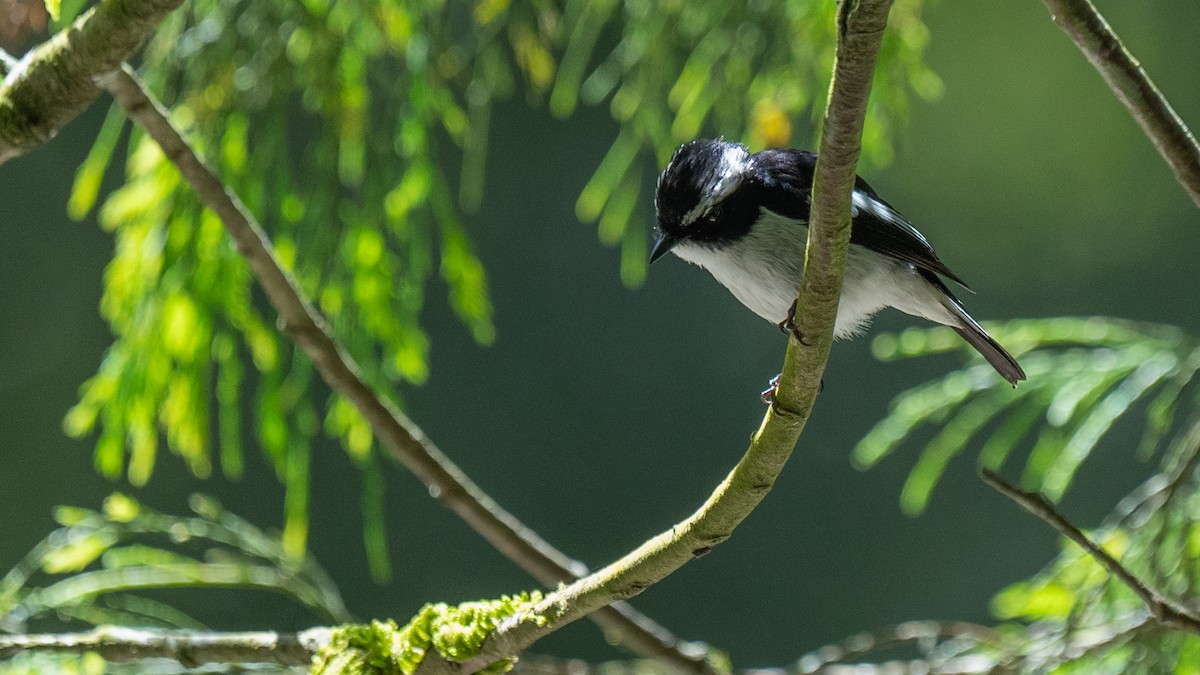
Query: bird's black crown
x=703, y=191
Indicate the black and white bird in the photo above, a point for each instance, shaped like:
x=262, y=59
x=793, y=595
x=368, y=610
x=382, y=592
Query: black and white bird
x=743, y=217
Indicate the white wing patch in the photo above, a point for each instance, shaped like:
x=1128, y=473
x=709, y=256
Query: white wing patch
x=861, y=201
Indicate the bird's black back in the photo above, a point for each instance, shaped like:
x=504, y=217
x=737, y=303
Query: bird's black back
x=786, y=179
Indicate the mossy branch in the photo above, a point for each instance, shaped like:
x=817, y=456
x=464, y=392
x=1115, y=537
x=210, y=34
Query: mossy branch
x=301, y=322
x=1080, y=20
x=54, y=82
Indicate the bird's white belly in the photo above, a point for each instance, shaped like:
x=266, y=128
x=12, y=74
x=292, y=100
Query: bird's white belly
x=763, y=271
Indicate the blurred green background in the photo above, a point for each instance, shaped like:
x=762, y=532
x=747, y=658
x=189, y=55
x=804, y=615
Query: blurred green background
x=601, y=415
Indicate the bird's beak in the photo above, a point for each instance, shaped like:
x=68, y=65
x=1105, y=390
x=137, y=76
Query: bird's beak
x=665, y=243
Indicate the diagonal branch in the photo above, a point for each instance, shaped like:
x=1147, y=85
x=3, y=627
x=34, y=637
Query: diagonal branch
x=53, y=83
x=401, y=436
x=1164, y=610
x=1080, y=20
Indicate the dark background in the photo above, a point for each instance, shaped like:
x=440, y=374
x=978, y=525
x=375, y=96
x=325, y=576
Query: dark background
x=602, y=415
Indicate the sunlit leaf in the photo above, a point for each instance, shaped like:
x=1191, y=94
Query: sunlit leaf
x=78, y=553
x=121, y=508
x=602, y=184
x=1034, y=601
x=929, y=402
x=91, y=172
x=950, y=441
x=295, y=503
x=374, y=530
x=1077, y=447
x=1083, y=375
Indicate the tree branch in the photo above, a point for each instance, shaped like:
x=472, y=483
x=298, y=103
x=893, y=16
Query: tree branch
x=1165, y=611
x=401, y=436
x=1080, y=20
x=53, y=83
x=190, y=648
x=925, y=634
x=861, y=24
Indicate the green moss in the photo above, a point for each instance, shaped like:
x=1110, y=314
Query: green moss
x=456, y=633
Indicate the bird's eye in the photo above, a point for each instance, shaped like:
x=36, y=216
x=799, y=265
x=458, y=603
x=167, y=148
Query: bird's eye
x=714, y=214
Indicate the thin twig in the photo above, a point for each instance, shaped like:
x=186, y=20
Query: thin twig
x=190, y=648
x=890, y=637
x=1100, y=639
x=1046, y=648
x=1095, y=38
x=1185, y=467
x=401, y=436
x=1165, y=611
x=1157, y=492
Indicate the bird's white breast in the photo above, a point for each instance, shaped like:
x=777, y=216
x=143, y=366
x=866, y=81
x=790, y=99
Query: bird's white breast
x=763, y=270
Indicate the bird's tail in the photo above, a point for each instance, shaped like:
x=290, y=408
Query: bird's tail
x=1001, y=360
x=977, y=337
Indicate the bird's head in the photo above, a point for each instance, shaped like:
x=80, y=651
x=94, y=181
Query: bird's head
x=703, y=196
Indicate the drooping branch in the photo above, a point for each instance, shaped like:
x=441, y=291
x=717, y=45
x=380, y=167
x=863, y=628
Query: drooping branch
x=401, y=436
x=53, y=83
x=1165, y=611
x=1080, y=20
x=190, y=648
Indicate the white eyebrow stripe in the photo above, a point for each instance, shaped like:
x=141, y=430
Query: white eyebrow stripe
x=735, y=164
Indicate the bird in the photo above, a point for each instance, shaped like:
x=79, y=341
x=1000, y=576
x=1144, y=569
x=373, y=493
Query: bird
x=744, y=218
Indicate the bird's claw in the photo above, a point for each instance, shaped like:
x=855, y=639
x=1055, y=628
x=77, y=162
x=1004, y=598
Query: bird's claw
x=768, y=394
x=788, y=326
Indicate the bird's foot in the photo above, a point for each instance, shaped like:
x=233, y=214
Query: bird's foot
x=768, y=394
x=788, y=326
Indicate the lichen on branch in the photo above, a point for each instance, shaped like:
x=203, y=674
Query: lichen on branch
x=456, y=634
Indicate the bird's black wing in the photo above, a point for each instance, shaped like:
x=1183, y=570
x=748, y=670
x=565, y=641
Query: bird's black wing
x=877, y=225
